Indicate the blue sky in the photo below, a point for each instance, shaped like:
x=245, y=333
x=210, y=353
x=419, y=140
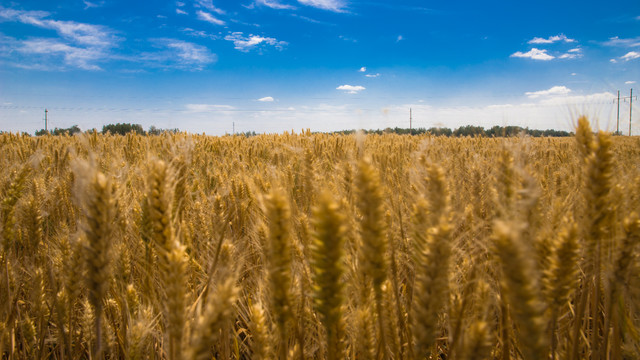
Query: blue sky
x=276, y=65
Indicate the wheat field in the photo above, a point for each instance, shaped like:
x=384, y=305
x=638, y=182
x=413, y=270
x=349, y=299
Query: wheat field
x=320, y=246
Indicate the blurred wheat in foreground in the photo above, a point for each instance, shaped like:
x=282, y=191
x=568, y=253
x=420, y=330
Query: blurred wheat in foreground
x=317, y=246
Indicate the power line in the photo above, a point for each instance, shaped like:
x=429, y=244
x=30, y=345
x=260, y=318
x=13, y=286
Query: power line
x=630, y=97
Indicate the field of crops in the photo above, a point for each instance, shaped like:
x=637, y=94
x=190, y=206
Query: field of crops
x=317, y=246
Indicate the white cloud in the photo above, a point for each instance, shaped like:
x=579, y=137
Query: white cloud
x=331, y=5
x=205, y=16
x=82, y=58
x=372, y=75
x=79, y=45
x=553, y=91
x=81, y=33
x=247, y=43
x=362, y=69
x=198, y=108
x=88, y=4
x=574, y=74
x=551, y=39
x=399, y=38
x=613, y=61
x=191, y=53
x=177, y=54
x=629, y=82
x=208, y=4
x=535, y=54
x=266, y=99
x=274, y=4
x=346, y=38
x=351, y=89
x=616, y=41
x=631, y=55
x=572, y=54
x=200, y=34
x=181, y=12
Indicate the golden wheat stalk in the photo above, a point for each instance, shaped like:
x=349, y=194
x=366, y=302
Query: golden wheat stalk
x=279, y=255
x=326, y=261
x=100, y=212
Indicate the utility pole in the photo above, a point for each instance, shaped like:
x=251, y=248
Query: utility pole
x=630, y=107
x=618, y=116
x=233, y=127
x=45, y=119
x=410, y=122
x=630, y=97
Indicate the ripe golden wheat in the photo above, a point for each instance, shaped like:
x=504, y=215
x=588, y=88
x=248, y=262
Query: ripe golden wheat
x=318, y=246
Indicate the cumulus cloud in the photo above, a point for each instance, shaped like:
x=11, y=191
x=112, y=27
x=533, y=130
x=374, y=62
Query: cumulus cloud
x=266, y=99
x=205, y=16
x=351, y=89
x=362, y=69
x=551, y=39
x=631, y=55
x=553, y=91
x=331, y=5
x=247, y=43
x=534, y=54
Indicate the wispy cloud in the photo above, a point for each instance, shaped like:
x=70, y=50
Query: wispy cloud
x=399, y=38
x=631, y=55
x=616, y=41
x=177, y=54
x=78, y=44
x=551, y=39
x=205, y=16
x=266, y=99
x=83, y=58
x=200, y=34
x=95, y=4
x=331, y=5
x=208, y=4
x=274, y=4
x=247, y=43
x=351, y=89
x=80, y=33
x=372, y=75
x=553, y=91
x=181, y=12
x=191, y=53
x=534, y=54
x=630, y=82
x=199, y=108
x=572, y=54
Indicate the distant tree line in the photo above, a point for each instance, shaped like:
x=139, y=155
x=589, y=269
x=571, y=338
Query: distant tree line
x=116, y=129
x=60, y=131
x=468, y=130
